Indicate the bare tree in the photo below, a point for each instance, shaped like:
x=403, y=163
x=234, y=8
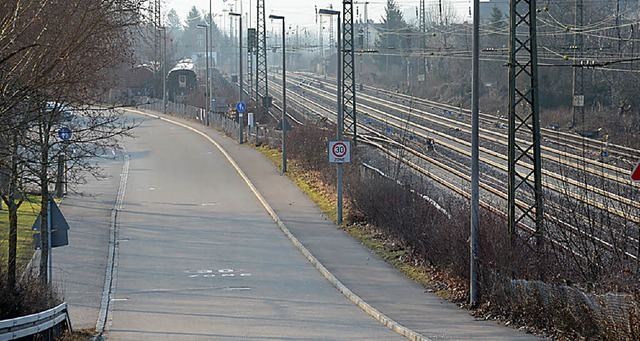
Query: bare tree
x=57, y=55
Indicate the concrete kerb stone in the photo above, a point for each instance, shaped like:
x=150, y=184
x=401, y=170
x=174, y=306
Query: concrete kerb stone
x=109, y=279
x=390, y=323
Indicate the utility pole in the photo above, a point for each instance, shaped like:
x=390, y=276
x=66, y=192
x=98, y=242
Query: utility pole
x=157, y=39
x=206, y=49
x=422, y=69
x=240, y=77
x=366, y=23
x=577, y=74
x=349, y=70
x=387, y=47
x=284, y=94
x=209, y=83
x=319, y=24
x=164, y=70
x=157, y=23
x=262, y=88
x=340, y=118
x=251, y=48
x=331, y=42
x=474, y=239
x=524, y=186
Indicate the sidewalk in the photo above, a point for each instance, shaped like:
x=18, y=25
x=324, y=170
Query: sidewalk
x=79, y=268
x=373, y=280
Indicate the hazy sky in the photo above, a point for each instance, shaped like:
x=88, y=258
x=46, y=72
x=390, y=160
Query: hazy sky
x=296, y=12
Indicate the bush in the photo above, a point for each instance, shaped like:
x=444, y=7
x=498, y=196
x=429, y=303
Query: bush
x=439, y=236
x=30, y=296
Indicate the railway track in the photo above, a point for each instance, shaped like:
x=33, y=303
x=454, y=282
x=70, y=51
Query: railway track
x=390, y=122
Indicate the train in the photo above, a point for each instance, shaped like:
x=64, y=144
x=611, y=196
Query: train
x=181, y=81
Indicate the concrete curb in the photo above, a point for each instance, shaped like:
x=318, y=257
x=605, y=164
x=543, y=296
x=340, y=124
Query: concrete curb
x=391, y=324
x=109, y=279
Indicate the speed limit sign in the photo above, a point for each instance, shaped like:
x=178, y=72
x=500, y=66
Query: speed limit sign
x=339, y=151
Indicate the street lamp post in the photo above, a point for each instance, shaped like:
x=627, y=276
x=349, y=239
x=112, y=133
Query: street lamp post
x=210, y=40
x=340, y=113
x=284, y=96
x=206, y=49
x=240, y=77
x=164, y=70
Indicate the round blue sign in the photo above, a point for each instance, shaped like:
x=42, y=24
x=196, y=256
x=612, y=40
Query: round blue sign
x=64, y=133
x=241, y=107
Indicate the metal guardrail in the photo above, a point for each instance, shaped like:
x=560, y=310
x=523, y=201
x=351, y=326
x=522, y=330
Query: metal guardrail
x=35, y=323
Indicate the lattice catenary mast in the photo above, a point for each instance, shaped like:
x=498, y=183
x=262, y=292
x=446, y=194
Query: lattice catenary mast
x=422, y=69
x=525, y=165
x=349, y=71
x=262, y=89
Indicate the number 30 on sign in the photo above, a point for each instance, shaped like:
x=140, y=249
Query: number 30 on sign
x=339, y=151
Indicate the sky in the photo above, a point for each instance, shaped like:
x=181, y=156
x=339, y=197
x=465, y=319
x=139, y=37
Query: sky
x=296, y=12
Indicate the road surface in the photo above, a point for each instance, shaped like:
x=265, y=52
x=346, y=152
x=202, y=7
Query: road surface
x=200, y=258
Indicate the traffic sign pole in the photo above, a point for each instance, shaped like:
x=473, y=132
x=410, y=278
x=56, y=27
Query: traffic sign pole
x=49, y=248
x=339, y=152
x=240, y=107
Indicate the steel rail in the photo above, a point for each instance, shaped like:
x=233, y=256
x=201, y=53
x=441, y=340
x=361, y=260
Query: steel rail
x=488, y=188
x=561, y=178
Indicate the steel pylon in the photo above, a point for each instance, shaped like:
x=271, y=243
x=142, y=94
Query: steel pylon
x=422, y=69
x=157, y=34
x=262, y=89
x=525, y=199
x=349, y=71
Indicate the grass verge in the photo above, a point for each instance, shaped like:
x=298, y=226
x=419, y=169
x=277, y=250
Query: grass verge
x=27, y=214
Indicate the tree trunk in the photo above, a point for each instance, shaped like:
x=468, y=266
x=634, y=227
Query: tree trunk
x=13, y=242
x=44, y=193
x=13, y=203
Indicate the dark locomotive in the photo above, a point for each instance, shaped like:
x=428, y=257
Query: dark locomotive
x=181, y=81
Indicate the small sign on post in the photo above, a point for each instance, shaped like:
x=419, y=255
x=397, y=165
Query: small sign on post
x=339, y=151
x=241, y=107
x=250, y=120
x=64, y=133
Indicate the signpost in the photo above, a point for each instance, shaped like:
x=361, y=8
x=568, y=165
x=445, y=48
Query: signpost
x=57, y=228
x=339, y=152
x=64, y=133
x=635, y=175
x=241, y=107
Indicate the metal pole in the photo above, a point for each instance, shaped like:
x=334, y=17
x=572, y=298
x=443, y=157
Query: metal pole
x=283, y=121
x=206, y=49
x=475, y=168
x=241, y=120
x=284, y=103
x=210, y=66
x=164, y=71
x=340, y=116
x=49, y=242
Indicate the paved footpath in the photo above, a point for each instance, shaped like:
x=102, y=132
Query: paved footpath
x=79, y=268
x=374, y=281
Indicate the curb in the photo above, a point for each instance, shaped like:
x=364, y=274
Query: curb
x=112, y=261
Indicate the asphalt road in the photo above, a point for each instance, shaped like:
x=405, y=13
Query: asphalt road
x=200, y=258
